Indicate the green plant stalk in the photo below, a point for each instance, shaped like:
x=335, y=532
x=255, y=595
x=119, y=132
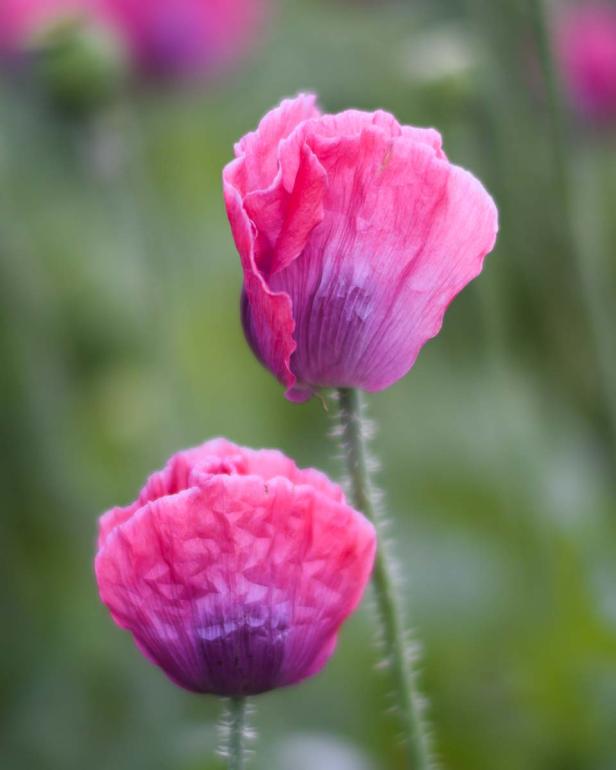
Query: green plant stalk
x=408, y=700
x=600, y=324
x=237, y=724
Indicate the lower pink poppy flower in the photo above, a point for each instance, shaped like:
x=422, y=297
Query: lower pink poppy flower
x=234, y=569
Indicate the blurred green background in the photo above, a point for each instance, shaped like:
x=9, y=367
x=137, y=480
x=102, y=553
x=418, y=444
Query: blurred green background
x=120, y=342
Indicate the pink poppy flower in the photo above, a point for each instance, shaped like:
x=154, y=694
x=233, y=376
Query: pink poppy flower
x=234, y=569
x=354, y=234
x=180, y=38
x=22, y=20
x=586, y=46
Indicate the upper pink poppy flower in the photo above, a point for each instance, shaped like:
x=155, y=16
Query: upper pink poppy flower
x=234, y=569
x=354, y=233
x=183, y=37
x=22, y=20
x=586, y=44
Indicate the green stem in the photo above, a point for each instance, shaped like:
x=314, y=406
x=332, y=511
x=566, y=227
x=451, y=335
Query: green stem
x=237, y=724
x=408, y=699
x=600, y=324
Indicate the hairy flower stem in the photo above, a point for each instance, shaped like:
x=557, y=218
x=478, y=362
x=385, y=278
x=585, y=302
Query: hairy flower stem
x=237, y=726
x=408, y=700
x=600, y=325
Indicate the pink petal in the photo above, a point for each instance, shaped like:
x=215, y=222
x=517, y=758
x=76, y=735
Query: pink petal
x=272, y=222
x=191, y=468
x=113, y=518
x=269, y=327
x=353, y=122
x=256, y=163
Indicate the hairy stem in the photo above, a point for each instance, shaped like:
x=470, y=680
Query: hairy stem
x=236, y=719
x=408, y=700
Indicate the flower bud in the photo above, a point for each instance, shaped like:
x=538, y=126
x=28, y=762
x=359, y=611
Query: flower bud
x=79, y=64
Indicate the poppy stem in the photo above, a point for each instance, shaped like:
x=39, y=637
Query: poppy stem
x=599, y=323
x=396, y=643
x=237, y=723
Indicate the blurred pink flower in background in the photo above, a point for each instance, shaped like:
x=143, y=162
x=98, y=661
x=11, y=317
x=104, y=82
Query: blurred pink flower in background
x=161, y=38
x=184, y=38
x=22, y=20
x=586, y=46
x=355, y=233
x=234, y=569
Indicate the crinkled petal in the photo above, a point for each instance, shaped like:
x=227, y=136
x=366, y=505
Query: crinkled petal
x=269, y=464
x=273, y=193
x=214, y=456
x=193, y=467
x=256, y=163
x=283, y=219
x=113, y=518
x=353, y=122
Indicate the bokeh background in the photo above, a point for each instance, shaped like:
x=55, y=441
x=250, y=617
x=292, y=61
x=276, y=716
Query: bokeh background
x=120, y=342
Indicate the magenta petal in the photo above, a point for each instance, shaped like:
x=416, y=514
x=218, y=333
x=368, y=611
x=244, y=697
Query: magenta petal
x=269, y=324
x=257, y=153
x=352, y=123
x=283, y=218
x=271, y=227
x=112, y=518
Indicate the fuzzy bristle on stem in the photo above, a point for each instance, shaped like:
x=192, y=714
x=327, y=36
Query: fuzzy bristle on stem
x=235, y=733
x=352, y=432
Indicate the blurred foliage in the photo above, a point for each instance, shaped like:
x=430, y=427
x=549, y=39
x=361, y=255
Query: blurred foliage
x=120, y=342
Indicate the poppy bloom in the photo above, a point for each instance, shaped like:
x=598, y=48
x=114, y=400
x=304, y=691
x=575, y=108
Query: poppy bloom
x=183, y=38
x=354, y=234
x=234, y=569
x=22, y=20
x=586, y=45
